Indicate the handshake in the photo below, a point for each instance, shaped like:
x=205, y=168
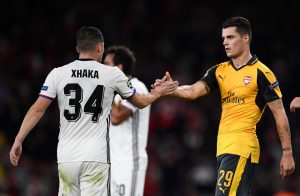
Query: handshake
x=164, y=86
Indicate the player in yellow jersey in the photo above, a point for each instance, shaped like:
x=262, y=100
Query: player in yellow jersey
x=295, y=104
x=246, y=86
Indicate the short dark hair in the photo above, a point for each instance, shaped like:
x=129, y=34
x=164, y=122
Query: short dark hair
x=242, y=25
x=122, y=55
x=88, y=37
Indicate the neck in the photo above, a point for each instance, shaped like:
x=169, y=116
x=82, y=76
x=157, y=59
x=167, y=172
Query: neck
x=242, y=59
x=88, y=56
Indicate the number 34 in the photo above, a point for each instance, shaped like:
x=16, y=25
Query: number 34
x=93, y=105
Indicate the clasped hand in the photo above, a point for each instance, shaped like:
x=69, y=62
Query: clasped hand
x=164, y=86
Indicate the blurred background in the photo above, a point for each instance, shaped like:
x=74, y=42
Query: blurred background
x=183, y=37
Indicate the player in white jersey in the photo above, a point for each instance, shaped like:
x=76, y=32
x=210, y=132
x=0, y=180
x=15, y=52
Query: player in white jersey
x=84, y=90
x=129, y=131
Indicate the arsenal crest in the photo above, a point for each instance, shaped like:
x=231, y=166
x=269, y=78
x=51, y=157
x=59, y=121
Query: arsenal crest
x=247, y=80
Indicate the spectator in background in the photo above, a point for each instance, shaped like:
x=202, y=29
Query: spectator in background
x=129, y=131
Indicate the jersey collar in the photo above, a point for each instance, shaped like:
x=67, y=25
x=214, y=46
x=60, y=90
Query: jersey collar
x=253, y=60
x=86, y=59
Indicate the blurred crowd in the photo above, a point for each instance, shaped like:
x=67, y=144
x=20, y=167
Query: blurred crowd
x=183, y=37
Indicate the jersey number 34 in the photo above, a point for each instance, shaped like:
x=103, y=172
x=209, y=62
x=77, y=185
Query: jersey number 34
x=93, y=105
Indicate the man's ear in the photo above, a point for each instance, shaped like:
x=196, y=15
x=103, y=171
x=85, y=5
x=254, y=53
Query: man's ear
x=100, y=47
x=246, y=37
x=77, y=50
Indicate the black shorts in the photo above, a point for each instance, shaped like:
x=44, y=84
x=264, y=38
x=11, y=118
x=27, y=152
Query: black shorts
x=235, y=174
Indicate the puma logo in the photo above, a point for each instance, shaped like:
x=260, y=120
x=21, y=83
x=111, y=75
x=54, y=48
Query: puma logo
x=223, y=190
x=222, y=78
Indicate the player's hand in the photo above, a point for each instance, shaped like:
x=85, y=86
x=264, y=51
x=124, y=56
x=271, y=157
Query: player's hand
x=165, y=88
x=15, y=153
x=295, y=104
x=167, y=77
x=287, y=164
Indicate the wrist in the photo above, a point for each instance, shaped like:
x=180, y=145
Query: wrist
x=19, y=140
x=287, y=151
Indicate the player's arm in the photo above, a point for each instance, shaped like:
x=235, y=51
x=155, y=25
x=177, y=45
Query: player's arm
x=295, y=104
x=287, y=165
x=143, y=100
x=32, y=117
x=191, y=92
x=119, y=113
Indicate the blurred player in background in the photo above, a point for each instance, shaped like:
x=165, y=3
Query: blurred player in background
x=84, y=90
x=246, y=86
x=129, y=131
x=295, y=104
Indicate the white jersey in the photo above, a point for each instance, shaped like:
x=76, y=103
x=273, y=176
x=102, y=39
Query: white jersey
x=85, y=90
x=129, y=139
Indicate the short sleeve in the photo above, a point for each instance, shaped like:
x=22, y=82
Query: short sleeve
x=268, y=85
x=210, y=79
x=48, y=89
x=122, y=85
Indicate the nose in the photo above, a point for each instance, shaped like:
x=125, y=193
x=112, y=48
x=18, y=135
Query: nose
x=225, y=42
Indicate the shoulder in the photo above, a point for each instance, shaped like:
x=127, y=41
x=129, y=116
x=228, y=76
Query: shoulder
x=139, y=85
x=265, y=75
x=110, y=68
x=262, y=67
x=137, y=81
x=216, y=67
x=213, y=68
x=64, y=67
x=265, y=71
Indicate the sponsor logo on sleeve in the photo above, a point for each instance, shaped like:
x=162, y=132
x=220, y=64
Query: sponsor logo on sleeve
x=129, y=84
x=44, y=88
x=274, y=85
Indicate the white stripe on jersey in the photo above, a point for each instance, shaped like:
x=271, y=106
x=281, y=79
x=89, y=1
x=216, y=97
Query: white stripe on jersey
x=85, y=91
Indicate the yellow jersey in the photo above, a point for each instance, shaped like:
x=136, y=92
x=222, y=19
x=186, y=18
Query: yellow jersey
x=244, y=94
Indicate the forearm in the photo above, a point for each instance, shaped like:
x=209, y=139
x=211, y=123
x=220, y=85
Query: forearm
x=30, y=120
x=191, y=92
x=119, y=113
x=282, y=123
x=184, y=92
x=143, y=100
x=284, y=133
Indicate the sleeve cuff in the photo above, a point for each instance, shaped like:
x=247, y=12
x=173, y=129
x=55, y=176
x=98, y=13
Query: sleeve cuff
x=134, y=91
x=47, y=97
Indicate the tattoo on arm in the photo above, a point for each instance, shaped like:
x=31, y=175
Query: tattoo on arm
x=282, y=130
x=281, y=123
x=276, y=103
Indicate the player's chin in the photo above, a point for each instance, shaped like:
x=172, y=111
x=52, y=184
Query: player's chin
x=229, y=55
